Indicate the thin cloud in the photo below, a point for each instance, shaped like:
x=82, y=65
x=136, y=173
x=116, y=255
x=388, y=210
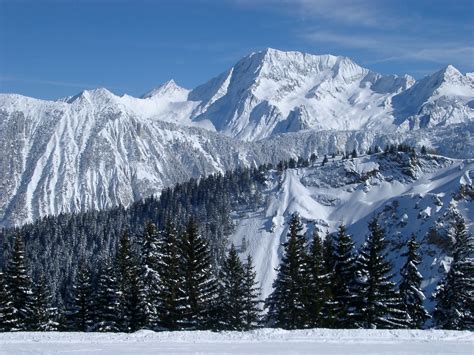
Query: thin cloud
x=8, y=78
x=398, y=48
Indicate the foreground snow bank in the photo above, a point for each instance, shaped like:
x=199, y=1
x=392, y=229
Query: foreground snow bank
x=262, y=341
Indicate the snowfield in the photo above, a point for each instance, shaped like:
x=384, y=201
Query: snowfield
x=262, y=341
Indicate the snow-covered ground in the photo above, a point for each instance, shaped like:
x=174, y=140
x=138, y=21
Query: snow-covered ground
x=263, y=341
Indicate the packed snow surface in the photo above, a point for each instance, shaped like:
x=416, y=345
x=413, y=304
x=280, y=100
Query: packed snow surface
x=262, y=341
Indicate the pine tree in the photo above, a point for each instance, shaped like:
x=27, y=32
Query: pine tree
x=44, y=315
x=231, y=292
x=19, y=283
x=107, y=300
x=379, y=304
x=455, y=294
x=199, y=283
x=251, y=308
x=286, y=302
x=345, y=281
x=80, y=308
x=7, y=312
x=149, y=277
x=131, y=315
x=170, y=299
x=314, y=287
x=410, y=287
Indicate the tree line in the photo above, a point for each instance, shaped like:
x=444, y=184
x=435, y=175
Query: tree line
x=171, y=284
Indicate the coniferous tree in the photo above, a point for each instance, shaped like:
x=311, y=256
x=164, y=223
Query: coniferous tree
x=231, y=292
x=314, y=283
x=252, y=303
x=379, y=304
x=455, y=294
x=170, y=300
x=149, y=277
x=131, y=314
x=19, y=284
x=329, y=306
x=410, y=287
x=44, y=315
x=345, y=280
x=7, y=312
x=286, y=302
x=199, y=283
x=80, y=308
x=107, y=300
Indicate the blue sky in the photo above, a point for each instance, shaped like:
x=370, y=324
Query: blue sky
x=54, y=48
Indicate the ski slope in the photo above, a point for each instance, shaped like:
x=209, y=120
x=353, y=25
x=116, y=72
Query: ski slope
x=262, y=341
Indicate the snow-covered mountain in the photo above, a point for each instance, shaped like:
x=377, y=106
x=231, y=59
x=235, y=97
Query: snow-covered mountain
x=273, y=92
x=97, y=149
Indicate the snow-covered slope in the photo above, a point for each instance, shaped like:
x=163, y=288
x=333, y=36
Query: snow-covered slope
x=408, y=194
x=89, y=153
x=261, y=341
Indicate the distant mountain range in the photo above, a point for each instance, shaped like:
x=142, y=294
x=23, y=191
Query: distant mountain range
x=97, y=149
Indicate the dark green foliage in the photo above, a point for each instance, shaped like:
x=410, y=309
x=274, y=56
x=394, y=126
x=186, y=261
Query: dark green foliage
x=129, y=285
x=314, y=283
x=170, y=297
x=19, y=284
x=7, y=312
x=286, y=303
x=329, y=262
x=107, y=300
x=455, y=293
x=345, y=281
x=354, y=154
x=231, y=293
x=325, y=160
x=410, y=287
x=199, y=283
x=251, y=307
x=44, y=316
x=80, y=308
x=379, y=304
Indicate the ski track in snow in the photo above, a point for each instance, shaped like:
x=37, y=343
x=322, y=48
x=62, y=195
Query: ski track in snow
x=262, y=341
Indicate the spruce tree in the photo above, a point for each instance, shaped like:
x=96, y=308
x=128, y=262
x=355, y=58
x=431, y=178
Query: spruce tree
x=7, y=312
x=252, y=303
x=231, y=292
x=131, y=314
x=107, y=300
x=80, y=308
x=286, y=303
x=199, y=283
x=410, y=287
x=328, y=319
x=170, y=297
x=345, y=280
x=149, y=277
x=455, y=294
x=379, y=304
x=314, y=287
x=19, y=285
x=44, y=315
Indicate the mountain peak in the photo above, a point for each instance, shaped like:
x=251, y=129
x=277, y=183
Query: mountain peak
x=167, y=88
x=99, y=94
